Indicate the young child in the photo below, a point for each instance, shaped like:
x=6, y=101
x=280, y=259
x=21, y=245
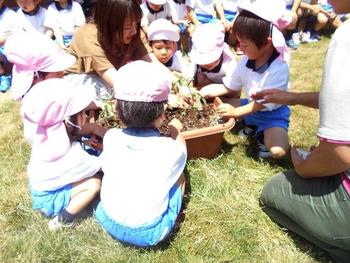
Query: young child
x=31, y=17
x=162, y=37
x=153, y=10
x=64, y=17
x=141, y=199
x=212, y=55
x=264, y=66
x=61, y=174
x=202, y=11
x=8, y=26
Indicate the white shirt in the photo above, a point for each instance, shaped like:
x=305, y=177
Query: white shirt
x=275, y=76
x=66, y=20
x=32, y=23
x=228, y=66
x=180, y=65
x=74, y=166
x=148, y=17
x=230, y=5
x=204, y=7
x=139, y=172
x=8, y=23
x=334, y=97
x=179, y=10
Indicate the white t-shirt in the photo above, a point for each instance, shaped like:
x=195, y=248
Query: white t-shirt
x=334, y=102
x=8, y=23
x=230, y=5
x=74, y=166
x=179, y=10
x=32, y=23
x=139, y=171
x=66, y=19
x=275, y=76
x=148, y=17
x=227, y=68
x=180, y=65
x=204, y=7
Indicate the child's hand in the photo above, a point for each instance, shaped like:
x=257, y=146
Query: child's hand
x=226, y=110
x=176, y=124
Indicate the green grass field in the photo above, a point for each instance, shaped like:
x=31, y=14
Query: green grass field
x=223, y=221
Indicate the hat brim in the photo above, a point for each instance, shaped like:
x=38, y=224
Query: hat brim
x=62, y=61
x=200, y=58
x=164, y=35
x=21, y=82
x=157, y=2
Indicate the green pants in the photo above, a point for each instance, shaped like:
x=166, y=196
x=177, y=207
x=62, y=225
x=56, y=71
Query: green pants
x=316, y=209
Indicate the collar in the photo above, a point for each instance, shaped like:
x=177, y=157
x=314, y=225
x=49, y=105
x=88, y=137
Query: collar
x=251, y=63
x=2, y=9
x=32, y=13
x=152, y=11
x=214, y=70
x=169, y=63
x=68, y=7
x=179, y=1
x=142, y=132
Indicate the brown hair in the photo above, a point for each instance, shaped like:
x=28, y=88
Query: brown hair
x=110, y=17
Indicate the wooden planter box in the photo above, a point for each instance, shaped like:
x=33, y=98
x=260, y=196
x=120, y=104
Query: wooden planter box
x=206, y=142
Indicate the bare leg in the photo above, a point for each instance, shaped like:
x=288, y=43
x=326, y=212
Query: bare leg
x=276, y=140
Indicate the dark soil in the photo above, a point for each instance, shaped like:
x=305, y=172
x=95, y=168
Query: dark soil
x=191, y=119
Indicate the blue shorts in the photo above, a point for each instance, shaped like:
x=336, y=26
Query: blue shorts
x=206, y=18
x=146, y=235
x=328, y=8
x=182, y=28
x=289, y=7
x=229, y=15
x=51, y=202
x=67, y=40
x=267, y=119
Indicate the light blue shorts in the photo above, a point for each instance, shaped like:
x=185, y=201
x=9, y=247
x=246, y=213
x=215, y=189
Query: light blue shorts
x=51, y=202
x=267, y=119
x=146, y=235
x=229, y=15
x=206, y=18
x=67, y=40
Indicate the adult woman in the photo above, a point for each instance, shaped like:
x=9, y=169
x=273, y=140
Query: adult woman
x=106, y=44
x=313, y=200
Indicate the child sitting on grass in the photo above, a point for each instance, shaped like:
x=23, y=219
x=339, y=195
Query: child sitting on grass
x=61, y=174
x=143, y=184
x=211, y=54
x=264, y=66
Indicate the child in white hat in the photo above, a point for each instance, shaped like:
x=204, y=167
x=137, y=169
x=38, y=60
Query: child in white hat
x=143, y=184
x=264, y=66
x=211, y=54
x=163, y=37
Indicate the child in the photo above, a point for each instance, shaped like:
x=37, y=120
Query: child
x=64, y=17
x=61, y=174
x=202, y=11
x=31, y=17
x=141, y=199
x=265, y=66
x=213, y=57
x=8, y=26
x=162, y=37
x=154, y=9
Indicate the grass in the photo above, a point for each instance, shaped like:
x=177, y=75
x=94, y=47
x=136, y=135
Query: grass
x=223, y=221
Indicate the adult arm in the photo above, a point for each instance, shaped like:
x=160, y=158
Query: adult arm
x=309, y=99
x=326, y=159
x=175, y=127
x=108, y=75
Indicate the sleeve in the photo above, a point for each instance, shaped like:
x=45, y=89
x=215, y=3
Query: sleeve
x=144, y=19
x=232, y=80
x=79, y=17
x=51, y=18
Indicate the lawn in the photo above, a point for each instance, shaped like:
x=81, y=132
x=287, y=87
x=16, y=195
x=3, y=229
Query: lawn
x=222, y=219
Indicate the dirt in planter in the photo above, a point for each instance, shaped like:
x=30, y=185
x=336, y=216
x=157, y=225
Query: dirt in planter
x=191, y=119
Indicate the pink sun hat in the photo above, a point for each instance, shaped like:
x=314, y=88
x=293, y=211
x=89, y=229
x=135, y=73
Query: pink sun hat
x=31, y=52
x=162, y=29
x=142, y=81
x=45, y=108
x=207, y=43
x=275, y=12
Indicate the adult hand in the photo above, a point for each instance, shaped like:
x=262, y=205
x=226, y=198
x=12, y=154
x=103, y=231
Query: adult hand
x=274, y=96
x=226, y=110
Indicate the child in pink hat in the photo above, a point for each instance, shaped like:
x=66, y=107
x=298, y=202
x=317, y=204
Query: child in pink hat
x=264, y=66
x=143, y=184
x=211, y=54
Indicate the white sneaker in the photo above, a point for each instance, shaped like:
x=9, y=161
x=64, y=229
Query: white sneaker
x=56, y=224
x=296, y=38
x=305, y=37
x=263, y=151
